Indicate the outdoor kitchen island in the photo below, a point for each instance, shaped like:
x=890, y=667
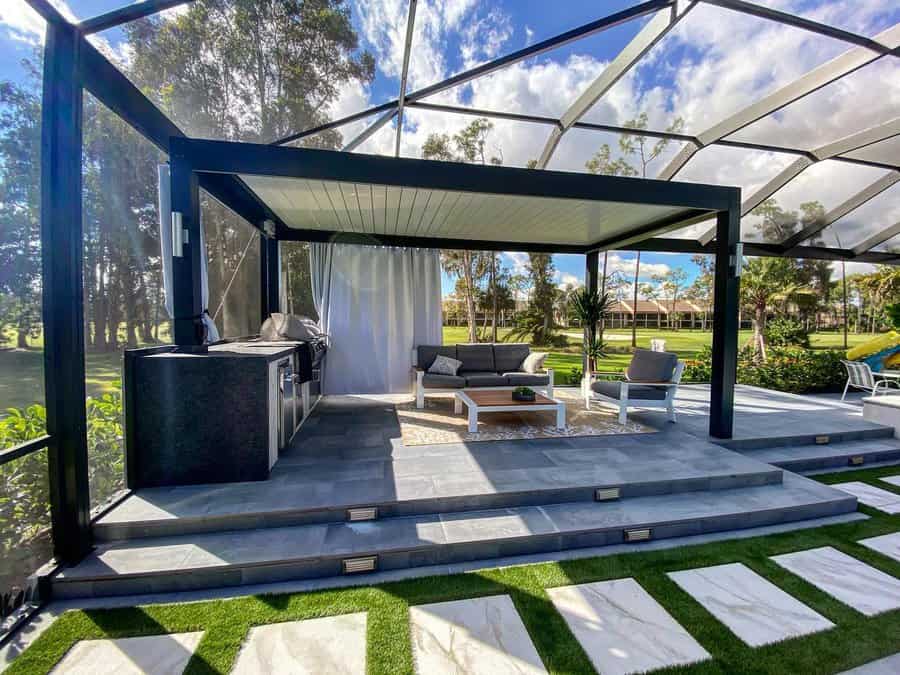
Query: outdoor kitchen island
x=214, y=415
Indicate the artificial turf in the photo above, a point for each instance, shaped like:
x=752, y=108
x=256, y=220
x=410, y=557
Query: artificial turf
x=855, y=639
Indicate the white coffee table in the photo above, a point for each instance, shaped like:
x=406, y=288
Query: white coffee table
x=501, y=400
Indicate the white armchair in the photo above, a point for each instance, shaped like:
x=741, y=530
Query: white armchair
x=651, y=381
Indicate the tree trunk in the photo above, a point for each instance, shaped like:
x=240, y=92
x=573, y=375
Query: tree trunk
x=844, y=299
x=493, y=298
x=759, y=327
x=602, y=293
x=637, y=272
x=470, y=295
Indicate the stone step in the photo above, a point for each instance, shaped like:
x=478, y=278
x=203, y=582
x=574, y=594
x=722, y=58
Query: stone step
x=167, y=564
x=450, y=482
x=873, y=432
x=813, y=457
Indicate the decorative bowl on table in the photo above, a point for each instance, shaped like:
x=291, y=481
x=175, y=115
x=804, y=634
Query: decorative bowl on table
x=523, y=394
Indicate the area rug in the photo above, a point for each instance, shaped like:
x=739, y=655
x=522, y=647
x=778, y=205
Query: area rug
x=436, y=423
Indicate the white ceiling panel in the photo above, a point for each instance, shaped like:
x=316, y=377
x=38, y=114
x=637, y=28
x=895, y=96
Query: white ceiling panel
x=415, y=212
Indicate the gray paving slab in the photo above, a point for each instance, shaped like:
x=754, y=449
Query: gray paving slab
x=753, y=608
x=890, y=665
x=480, y=636
x=886, y=544
x=861, y=586
x=883, y=500
x=623, y=629
x=151, y=655
x=332, y=644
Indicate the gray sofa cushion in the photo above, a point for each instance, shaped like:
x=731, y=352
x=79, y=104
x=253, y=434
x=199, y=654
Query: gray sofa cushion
x=433, y=381
x=426, y=354
x=509, y=357
x=485, y=379
x=476, y=358
x=636, y=392
x=647, y=366
x=517, y=379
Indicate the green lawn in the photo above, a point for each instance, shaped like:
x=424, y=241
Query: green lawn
x=855, y=639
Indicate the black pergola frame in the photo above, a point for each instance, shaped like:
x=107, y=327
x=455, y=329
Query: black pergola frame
x=72, y=64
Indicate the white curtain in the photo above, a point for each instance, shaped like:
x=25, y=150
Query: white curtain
x=376, y=304
x=165, y=245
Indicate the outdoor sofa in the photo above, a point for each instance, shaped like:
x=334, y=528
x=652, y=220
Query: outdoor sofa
x=484, y=365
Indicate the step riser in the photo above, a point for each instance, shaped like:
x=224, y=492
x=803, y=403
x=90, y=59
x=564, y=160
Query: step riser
x=462, y=504
x=839, y=461
x=440, y=554
x=805, y=439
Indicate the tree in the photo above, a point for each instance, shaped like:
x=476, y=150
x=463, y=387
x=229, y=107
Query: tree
x=701, y=291
x=637, y=147
x=765, y=281
x=470, y=146
x=537, y=321
x=672, y=283
x=651, y=292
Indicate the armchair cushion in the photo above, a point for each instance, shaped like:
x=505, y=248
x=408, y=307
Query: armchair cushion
x=519, y=379
x=433, y=381
x=535, y=362
x=636, y=392
x=509, y=357
x=648, y=366
x=485, y=379
x=476, y=358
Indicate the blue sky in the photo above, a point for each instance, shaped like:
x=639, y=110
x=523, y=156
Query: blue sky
x=713, y=63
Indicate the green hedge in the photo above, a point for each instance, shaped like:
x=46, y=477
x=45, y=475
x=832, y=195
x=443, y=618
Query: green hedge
x=791, y=369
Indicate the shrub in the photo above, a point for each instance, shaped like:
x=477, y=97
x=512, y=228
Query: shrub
x=791, y=369
x=785, y=330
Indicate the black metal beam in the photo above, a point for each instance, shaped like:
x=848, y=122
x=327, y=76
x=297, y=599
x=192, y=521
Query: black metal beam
x=726, y=305
x=272, y=160
x=799, y=22
x=237, y=196
x=62, y=292
x=23, y=449
x=591, y=283
x=269, y=276
x=48, y=12
x=117, y=17
x=428, y=242
x=188, y=329
x=536, y=49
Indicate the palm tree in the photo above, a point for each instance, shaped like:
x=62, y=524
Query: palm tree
x=591, y=307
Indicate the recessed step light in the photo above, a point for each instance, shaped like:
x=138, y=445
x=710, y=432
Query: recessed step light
x=607, y=494
x=641, y=534
x=367, y=563
x=362, y=513
x=856, y=460
x=823, y=440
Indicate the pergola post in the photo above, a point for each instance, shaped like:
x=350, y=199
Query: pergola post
x=269, y=276
x=591, y=283
x=186, y=268
x=62, y=292
x=725, y=321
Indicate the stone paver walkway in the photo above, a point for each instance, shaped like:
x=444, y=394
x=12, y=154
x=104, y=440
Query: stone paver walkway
x=334, y=645
x=886, y=544
x=755, y=610
x=623, y=629
x=481, y=636
x=150, y=655
x=851, y=581
x=889, y=665
x=883, y=500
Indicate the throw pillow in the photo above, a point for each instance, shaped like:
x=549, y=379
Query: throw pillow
x=534, y=362
x=444, y=365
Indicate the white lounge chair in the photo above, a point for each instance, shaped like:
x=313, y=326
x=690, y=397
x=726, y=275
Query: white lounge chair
x=860, y=376
x=651, y=381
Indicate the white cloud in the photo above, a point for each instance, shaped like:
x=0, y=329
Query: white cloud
x=568, y=280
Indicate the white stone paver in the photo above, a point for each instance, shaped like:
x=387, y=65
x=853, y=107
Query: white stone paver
x=150, y=655
x=851, y=581
x=883, y=500
x=886, y=544
x=890, y=665
x=333, y=644
x=892, y=480
x=623, y=629
x=755, y=610
x=481, y=636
